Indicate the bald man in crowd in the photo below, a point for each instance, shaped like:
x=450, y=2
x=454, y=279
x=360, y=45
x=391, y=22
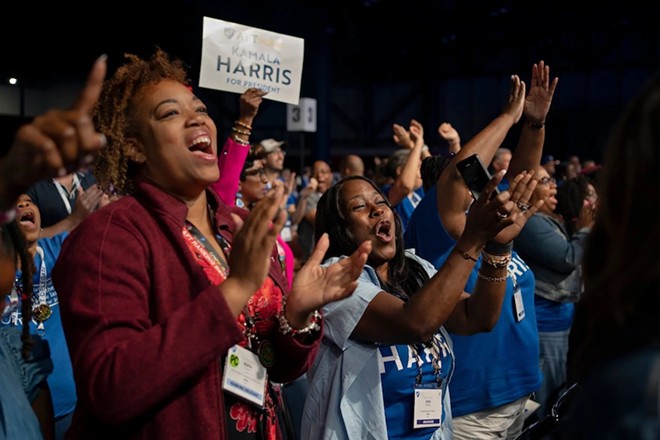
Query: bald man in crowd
x=351, y=165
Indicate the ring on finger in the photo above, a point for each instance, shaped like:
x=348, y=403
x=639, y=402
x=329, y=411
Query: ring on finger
x=522, y=206
x=501, y=215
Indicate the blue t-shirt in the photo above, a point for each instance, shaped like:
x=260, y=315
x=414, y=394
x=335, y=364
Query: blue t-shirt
x=400, y=366
x=492, y=368
x=553, y=316
x=60, y=382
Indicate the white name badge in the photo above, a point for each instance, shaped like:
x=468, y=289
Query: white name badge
x=428, y=406
x=518, y=304
x=244, y=375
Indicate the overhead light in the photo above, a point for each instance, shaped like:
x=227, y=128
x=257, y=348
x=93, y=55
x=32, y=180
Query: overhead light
x=13, y=81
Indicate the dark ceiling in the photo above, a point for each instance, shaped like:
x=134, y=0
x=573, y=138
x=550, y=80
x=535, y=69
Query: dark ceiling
x=368, y=40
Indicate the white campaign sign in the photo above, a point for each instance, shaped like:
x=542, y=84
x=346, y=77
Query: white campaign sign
x=236, y=57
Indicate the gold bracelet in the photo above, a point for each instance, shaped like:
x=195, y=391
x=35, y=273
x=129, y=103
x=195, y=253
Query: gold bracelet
x=241, y=124
x=239, y=131
x=491, y=279
x=496, y=261
x=464, y=254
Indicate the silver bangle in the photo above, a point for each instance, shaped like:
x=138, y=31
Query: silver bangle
x=285, y=327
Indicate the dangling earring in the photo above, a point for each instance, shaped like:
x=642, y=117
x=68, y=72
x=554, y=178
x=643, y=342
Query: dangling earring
x=239, y=200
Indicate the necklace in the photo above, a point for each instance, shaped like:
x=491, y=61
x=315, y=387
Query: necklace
x=205, y=251
x=41, y=311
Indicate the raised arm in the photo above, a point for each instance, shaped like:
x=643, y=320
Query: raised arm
x=450, y=134
x=480, y=311
x=527, y=155
x=389, y=320
x=453, y=197
x=414, y=141
x=236, y=148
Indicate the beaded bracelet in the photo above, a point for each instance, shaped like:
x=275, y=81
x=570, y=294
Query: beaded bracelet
x=464, y=254
x=8, y=216
x=491, y=279
x=286, y=328
x=241, y=124
x=239, y=131
x=238, y=140
x=496, y=261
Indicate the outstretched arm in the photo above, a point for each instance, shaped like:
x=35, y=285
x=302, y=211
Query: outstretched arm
x=453, y=196
x=450, y=134
x=414, y=140
x=232, y=157
x=387, y=319
x=527, y=155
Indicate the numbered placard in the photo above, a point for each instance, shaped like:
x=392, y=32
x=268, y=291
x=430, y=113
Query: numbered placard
x=302, y=117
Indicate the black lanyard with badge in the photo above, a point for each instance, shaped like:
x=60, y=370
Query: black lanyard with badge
x=427, y=408
x=244, y=374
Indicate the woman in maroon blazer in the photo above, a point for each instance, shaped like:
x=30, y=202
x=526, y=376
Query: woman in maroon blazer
x=177, y=323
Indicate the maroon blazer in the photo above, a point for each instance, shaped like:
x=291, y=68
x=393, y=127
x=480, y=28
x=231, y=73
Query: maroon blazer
x=146, y=330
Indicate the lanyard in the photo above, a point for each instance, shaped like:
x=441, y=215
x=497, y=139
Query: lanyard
x=206, y=250
x=67, y=197
x=194, y=237
x=43, y=275
x=41, y=311
x=436, y=347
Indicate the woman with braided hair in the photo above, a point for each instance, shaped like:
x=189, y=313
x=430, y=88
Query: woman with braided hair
x=26, y=410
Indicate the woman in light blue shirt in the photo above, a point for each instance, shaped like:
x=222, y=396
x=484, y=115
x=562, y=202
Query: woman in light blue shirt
x=385, y=362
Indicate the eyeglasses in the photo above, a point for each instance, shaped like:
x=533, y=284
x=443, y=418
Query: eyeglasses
x=547, y=180
x=260, y=171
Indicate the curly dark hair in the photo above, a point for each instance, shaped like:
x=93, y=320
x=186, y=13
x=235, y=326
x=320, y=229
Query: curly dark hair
x=114, y=115
x=570, y=197
x=406, y=276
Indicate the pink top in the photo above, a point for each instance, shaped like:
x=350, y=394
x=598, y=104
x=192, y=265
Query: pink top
x=230, y=163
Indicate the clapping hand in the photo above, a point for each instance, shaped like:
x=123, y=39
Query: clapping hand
x=315, y=285
x=501, y=217
x=408, y=138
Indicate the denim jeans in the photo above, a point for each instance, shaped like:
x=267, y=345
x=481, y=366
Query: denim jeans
x=553, y=348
